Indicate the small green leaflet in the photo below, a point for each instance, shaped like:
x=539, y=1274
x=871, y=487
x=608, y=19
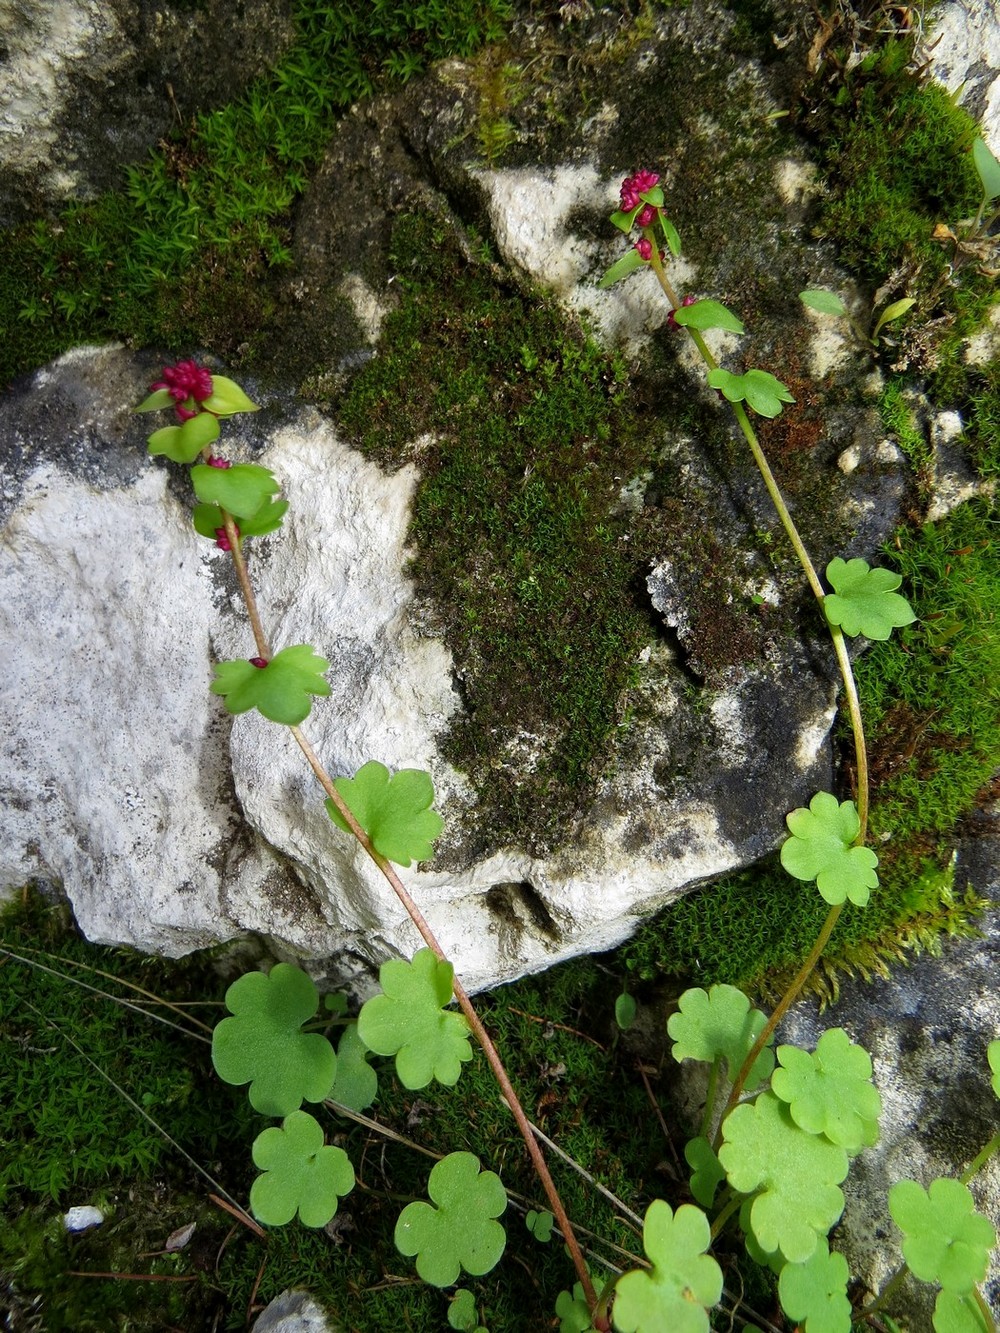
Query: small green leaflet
x=815, y=1292
x=280, y=690
x=958, y=1314
x=895, y=311
x=719, y=1024
x=758, y=388
x=183, y=444
x=262, y=1043
x=462, y=1313
x=684, y=1283
x=461, y=1231
x=356, y=1084
x=625, y=1011
x=706, y=1171
x=621, y=268
x=571, y=1307
x=227, y=398
x=242, y=489
x=394, y=811
x=710, y=315
x=945, y=1239
x=671, y=234
x=301, y=1175
x=830, y=1091
x=827, y=303
x=268, y=518
x=988, y=168
x=864, y=600
x=821, y=848
x=539, y=1224
x=157, y=400
x=409, y=1020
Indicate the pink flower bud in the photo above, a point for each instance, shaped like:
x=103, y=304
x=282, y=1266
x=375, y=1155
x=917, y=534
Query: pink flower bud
x=645, y=249
x=634, y=186
x=258, y=661
x=646, y=217
x=688, y=300
x=219, y=462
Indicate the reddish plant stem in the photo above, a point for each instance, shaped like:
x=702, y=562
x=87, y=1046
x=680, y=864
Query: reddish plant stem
x=422, y=926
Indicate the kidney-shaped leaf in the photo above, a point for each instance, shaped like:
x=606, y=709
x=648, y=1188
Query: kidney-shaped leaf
x=945, y=1239
x=461, y=1231
x=821, y=848
x=242, y=489
x=279, y=690
x=262, y=1045
x=829, y=1092
x=409, y=1020
x=863, y=600
x=718, y=1024
x=394, y=811
x=683, y=1283
x=796, y=1174
x=301, y=1175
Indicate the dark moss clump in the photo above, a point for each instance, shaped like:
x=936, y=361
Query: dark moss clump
x=183, y=254
x=524, y=556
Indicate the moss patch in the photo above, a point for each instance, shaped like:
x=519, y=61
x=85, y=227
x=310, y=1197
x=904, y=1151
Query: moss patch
x=526, y=564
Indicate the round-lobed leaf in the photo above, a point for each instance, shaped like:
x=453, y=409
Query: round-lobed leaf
x=183, y=444
x=261, y=1044
x=958, y=1314
x=394, y=811
x=795, y=1176
x=242, y=489
x=684, y=1282
x=945, y=1239
x=540, y=1224
x=409, y=1020
x=864, y=600
x=301, y=1174
x=571, y=1307
x=821, y=848
x=829, y=1092
x=814, y=1293
x=356, y=1084
x=707, y=1173
x=460, y=1232
x=280, y=690
x=719, y=1024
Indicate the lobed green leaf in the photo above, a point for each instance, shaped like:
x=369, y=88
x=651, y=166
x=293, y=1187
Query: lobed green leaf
x=945, y=1239
x=794, y=1175
x=394, y=811
x=268, y=518
x=719, y=1024
x=409, y=1020
x=301, y=1175
x=261, y=1044
x=280, y=690
x=242, y=489
x=707, y=1173
x=183, y=444
x=573, y=1312
x=958, y=1314
x=460, y=1232
x=863, y=600
x=758, y=388
x=821, y=848
x=356, y=1083
x=829, y=1092
x=684, y=1282
x=814, y=1293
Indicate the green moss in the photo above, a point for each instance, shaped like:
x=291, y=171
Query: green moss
x=900, y=421
x=70, y=1137
x=182, y=255
x=523, y=556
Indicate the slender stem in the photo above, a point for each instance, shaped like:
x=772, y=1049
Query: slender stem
x=782, y=1007
x=886, y=1293
x=246, y=587
x=984, y=1310
x=980, y=1159
x=713, y=1085
x=734, y=1204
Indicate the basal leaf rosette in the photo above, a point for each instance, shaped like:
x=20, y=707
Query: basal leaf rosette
x=684, y=1282
x=829, y=1091
x=814, y=1293
x=301, y=1174
x=944, y=1239
x=822, y=848
x=394, y=811
x=794, y=1175
x=459, y=1230
x=864, y=600
x=409, y=1020
x=719, y=1024
x=261, y=1044
x=279, y=689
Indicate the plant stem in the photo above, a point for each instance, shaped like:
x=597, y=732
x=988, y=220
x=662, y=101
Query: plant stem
x=886, y=1293
x=782, y=1007
x=980, y=1159
x=420, y=922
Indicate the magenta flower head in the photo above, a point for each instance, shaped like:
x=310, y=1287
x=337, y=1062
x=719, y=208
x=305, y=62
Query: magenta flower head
x=188, y=384
x=645, y=249
x=222, y=538
x=633, y=187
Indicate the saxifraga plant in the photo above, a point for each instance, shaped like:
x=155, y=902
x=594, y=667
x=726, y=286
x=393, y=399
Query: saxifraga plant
x=791, y=1120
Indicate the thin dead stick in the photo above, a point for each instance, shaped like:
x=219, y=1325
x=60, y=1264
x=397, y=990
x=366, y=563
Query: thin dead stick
x=240, y=1216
